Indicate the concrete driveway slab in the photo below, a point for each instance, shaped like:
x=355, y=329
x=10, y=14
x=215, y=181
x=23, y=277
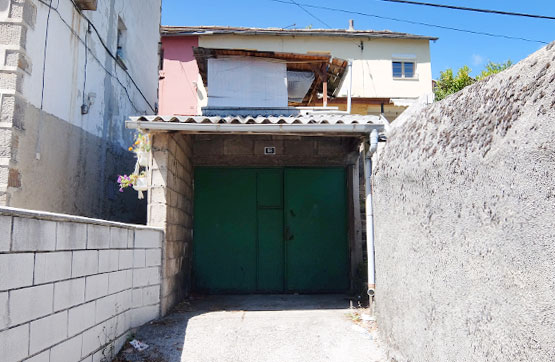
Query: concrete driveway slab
x=258, y=328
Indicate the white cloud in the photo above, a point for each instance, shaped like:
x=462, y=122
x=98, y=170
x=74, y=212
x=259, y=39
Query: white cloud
x=477, y=59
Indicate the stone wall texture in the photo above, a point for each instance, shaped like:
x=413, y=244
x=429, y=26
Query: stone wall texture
x=170, y=201
x=71, y=288
x=464, y=211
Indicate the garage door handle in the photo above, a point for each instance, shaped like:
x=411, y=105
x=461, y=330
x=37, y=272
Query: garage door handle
x=288, y=235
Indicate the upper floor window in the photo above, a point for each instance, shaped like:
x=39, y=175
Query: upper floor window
x=402, y=69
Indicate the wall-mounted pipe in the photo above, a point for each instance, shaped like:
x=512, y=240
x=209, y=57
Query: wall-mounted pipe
x=373, y=146
x=350, y=88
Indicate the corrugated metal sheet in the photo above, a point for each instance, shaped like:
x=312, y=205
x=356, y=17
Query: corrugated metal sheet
x=217, y=30
x=299, y=119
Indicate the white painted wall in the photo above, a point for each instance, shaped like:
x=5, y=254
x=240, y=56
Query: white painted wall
x=65, y=64
x=243, y=82
x=372, y=70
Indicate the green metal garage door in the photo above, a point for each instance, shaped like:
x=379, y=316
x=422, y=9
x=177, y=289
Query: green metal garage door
x=270, y=230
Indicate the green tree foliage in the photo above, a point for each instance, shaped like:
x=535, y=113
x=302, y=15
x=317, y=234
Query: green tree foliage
x=494, y=68
x=448, y=83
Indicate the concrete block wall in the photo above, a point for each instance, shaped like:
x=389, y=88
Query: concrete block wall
x=170, y=207
x=16, y=16
x=72, y=288
x=248, y=150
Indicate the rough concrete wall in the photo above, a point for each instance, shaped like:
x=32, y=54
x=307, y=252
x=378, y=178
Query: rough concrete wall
x=72, y=288
x=248, y=151
x=170, y=207
x=464, y=207
x=67, y=177
x=52, y=157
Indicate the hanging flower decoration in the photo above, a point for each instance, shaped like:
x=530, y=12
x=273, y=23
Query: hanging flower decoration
x=137, y=179
x=129, y=181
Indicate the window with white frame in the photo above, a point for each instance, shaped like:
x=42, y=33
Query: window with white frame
x=403, y=69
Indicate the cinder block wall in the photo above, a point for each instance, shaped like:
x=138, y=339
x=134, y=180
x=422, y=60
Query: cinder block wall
x=72, y=288
x=464, y=213
x=170, y=208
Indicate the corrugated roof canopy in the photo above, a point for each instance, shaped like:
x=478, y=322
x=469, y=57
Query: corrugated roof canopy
x=334, y=124
x=322, y=65
x=219, y=30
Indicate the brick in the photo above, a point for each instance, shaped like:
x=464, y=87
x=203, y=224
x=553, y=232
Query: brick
x=124, y=300
x=41, y=357
x=154, y=257
x=5, y=232
x=94, y=338
x=118, y=281
x=51, y=267
x=108, y=260
x=14, y=343
x=151, y=295
x=125, y=259
x=118, y=237
x=81, y=318
x=98, y=237
x=16, y=270
x=32, y=235
x=68, y=351
x=148, y=239
x=30, y=303
x=124, y=323
x=146, y=276
x=69, y=293
x=137, y=298
x=139, y=258
x=106, y=308
x=84, y=262
x=4, y=317
x=48, y=331
x=144, y=315
x=96, y=286
x=71, y=236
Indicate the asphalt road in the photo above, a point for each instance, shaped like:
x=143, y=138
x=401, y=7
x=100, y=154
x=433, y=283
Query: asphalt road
x=261, y=328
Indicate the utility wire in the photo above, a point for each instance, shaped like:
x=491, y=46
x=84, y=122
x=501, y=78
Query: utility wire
x=415, y=22
x=309, y=13
x=95, y=57
x=487, y=11
x=103, y=43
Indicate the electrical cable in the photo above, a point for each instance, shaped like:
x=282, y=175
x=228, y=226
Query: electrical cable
x=415, y=22
x=309, y=13
x=110, y=52
x=74, y=33
x=105, y=48
x=487, y=11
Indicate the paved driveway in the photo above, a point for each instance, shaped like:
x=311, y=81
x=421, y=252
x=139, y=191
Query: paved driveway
x=258, y=328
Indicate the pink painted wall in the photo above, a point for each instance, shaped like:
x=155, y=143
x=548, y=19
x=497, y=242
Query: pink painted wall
x=178, y=93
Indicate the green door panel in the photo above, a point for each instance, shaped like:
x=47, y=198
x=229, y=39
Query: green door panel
x=270, y=230
x=270, y=250
x=269, y=187
x=316, y=230
x=224, y=246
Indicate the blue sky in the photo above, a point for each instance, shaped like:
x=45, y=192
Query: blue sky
x=452, y=50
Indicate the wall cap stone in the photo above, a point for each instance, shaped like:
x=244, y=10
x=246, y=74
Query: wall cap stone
x=43, y=215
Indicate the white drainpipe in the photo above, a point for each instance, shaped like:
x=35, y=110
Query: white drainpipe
x=350, y=88
x=370, y=213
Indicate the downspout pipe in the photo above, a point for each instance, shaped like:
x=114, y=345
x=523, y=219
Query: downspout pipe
x=373, y=146
x=350, y=87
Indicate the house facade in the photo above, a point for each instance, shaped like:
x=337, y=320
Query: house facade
x=255, y=171
x=70, y=78
x=389, y=70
